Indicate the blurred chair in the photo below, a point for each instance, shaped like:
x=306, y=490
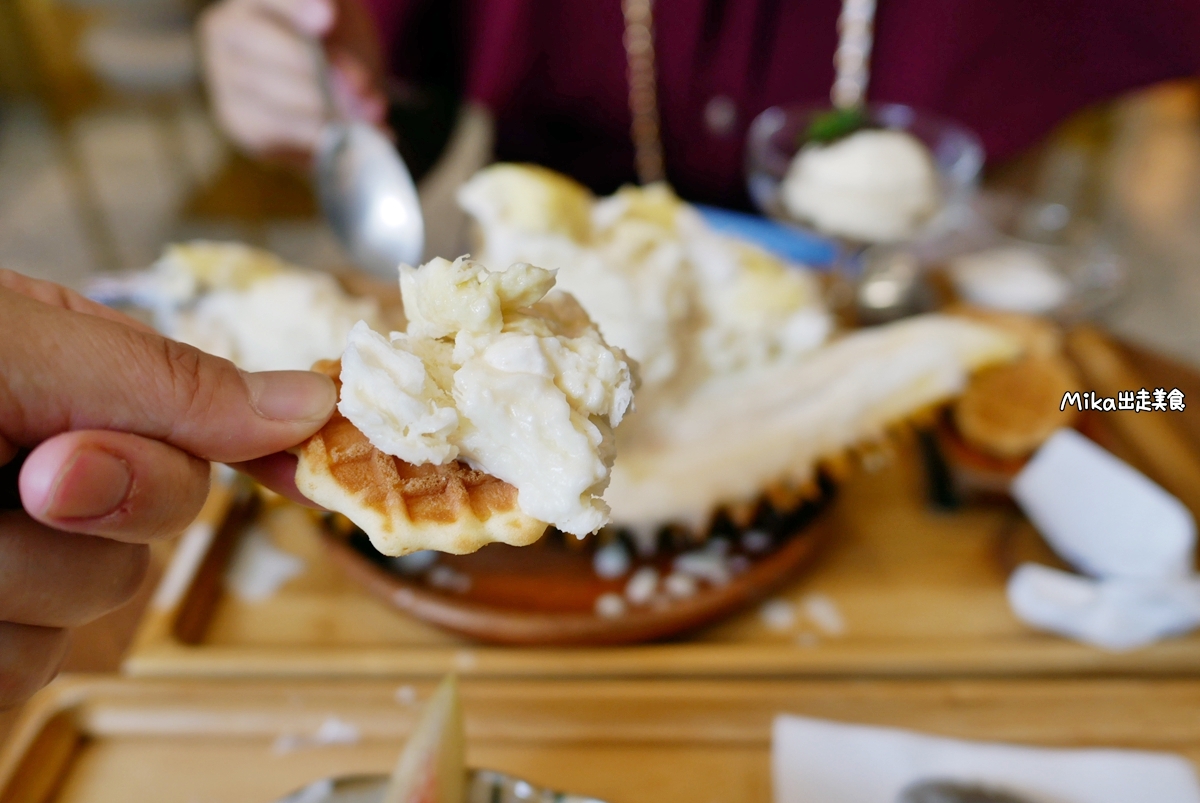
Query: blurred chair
x=99, y=54
x=144, y=54
x=48, y=34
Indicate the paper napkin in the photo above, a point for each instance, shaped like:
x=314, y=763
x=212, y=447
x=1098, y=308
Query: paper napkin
x=815, y=761
x=1132, y=541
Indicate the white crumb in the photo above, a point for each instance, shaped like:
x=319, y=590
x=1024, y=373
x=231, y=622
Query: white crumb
x=823, y=612
x=680, y=586
x=447, y=579
x=704, y=564
x=778, y=615
x=610, y=606
x=332, y=731
x=642, y=586
x=756, y=541
x=611, y=561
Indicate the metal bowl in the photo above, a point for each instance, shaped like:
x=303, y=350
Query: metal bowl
x=483, y=786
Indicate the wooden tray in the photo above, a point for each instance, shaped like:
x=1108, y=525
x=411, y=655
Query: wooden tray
x=920, y=592
x=165, y=741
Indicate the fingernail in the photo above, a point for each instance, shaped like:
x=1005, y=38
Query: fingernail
x=93, y=484
x=291, y=395
x=315, y=16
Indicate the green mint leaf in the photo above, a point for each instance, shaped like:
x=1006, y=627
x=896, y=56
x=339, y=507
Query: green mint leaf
x=834, y=124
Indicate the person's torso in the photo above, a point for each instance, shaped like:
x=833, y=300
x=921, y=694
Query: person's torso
x=554, y=72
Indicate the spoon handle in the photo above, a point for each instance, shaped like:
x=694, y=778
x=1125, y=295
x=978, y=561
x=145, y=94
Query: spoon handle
x=316, y=49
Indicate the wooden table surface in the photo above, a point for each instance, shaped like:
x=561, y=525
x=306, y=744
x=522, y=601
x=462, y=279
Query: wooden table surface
x=175, y=741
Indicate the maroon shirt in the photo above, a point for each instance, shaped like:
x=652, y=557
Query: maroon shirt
x=554, y=71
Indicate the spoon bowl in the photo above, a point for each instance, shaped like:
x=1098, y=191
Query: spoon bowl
x=368, y=197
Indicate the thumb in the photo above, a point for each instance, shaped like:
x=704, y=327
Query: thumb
x=69, y=371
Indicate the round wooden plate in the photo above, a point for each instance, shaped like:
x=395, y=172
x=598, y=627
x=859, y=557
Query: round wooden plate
x=546, y=594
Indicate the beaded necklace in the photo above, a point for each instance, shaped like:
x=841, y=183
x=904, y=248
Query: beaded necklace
x=851, y=61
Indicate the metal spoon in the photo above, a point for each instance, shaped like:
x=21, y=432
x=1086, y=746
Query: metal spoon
x=483, y=786
x=955, y=792
x=365, y=190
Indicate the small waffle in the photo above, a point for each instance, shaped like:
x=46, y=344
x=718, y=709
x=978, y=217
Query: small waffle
x=402, y=507
x=1009, y=410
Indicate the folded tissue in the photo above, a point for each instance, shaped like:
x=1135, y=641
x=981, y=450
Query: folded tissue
x=815, y=761
x=1133, y=543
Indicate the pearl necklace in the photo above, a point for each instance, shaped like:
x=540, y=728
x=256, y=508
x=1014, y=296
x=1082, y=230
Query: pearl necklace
x=851, y=61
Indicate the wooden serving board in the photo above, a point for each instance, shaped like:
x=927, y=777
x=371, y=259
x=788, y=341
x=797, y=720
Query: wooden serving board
x=621, y=741
x=919, y=591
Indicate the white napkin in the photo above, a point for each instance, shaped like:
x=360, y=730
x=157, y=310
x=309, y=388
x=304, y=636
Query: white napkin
x=1116, y=614
x=814, y=761
x=1134, y=540
x=1101, y=514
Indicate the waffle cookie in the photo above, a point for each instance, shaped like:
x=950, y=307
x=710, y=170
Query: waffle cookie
x=403, y=507
x=1009, y=410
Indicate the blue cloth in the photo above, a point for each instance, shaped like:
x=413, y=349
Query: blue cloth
x=780, y=239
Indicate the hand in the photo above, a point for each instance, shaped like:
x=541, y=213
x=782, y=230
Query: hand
x=119, y=423
x=262, y=80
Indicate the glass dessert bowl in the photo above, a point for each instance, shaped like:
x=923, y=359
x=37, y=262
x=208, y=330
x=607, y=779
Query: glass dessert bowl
x=778, y=134
x=886, y=176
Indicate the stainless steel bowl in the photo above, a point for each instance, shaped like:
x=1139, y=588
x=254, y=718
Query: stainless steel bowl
x=483, y=786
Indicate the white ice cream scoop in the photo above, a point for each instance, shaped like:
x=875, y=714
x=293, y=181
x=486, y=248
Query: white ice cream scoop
x=875, y=185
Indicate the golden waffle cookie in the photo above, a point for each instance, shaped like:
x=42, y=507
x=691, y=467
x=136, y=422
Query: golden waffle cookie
x=402, y=507
x=1009, y=410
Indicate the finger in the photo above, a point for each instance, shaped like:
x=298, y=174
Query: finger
x=278, y=96
x=113, y=484
x=277, y=472
x=259, y=126
x=246, y=45
x=265, y=45
x=58, y=296
x=109, y=376
x=57, y=579
x=29, y=659
x=312, y=17
x=270, y=103
x=355, y=92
